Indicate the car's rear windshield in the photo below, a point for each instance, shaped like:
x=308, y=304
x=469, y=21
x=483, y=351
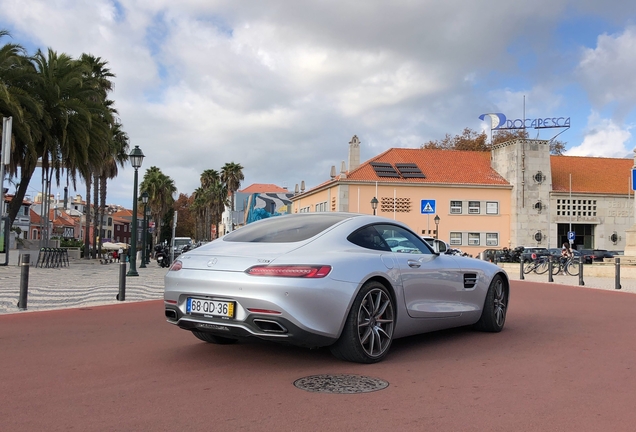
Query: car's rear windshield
x=285, y=229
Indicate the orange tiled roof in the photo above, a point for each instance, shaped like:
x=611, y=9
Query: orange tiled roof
x=591, y=174
x=264, y=188
x=122, y=213
x=34, y=218
x=439, y=166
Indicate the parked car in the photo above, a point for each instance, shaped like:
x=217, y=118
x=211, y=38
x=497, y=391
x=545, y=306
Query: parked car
x=329, y=279
x=532, y=253
x=493, y=255
x=592, y=255
x=556, y=252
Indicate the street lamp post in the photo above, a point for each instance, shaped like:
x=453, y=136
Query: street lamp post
x=374, y=204
x=144, y=199
x=436, y=226
x=136, y=158
x=148, y=214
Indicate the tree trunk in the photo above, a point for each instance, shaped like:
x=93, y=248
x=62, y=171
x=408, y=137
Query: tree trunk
x=87, y=215
x=102, y=206
x=96, y=228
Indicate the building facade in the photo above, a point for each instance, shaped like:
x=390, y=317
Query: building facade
x=517, y=194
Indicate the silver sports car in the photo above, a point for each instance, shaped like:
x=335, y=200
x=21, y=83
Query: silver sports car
x=348, y=281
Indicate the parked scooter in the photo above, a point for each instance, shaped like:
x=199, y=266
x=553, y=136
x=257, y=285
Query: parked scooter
x=162, y=254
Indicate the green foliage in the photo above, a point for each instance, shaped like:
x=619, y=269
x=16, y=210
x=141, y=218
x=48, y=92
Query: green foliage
x=471, y=140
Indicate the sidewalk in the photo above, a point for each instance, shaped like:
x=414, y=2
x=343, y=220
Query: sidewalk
x=628, y=284
x=88, y=283
x=83, y=283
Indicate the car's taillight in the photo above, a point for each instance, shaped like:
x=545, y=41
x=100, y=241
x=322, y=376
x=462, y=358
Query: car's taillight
x=176, y=266
x=534, y=256
x=299, y=271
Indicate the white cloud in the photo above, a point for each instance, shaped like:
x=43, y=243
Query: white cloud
x=608, y=71
x=281, y=87
x=603, y=138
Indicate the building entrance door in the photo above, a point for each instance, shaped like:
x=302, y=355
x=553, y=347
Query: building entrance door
x=584, y=235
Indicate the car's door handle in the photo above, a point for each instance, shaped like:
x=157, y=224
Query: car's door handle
x=414, y=264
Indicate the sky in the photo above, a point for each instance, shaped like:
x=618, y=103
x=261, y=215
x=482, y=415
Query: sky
x=281, y=87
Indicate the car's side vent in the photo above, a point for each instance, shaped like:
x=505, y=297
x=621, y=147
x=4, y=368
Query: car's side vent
x=470, y=280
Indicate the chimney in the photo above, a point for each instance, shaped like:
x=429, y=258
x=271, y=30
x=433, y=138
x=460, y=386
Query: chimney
x=343, y=170
x=354, y=153
x=333, y=172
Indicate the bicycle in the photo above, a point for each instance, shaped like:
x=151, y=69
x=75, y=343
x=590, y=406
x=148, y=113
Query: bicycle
x=539, y=265
x=569, y=265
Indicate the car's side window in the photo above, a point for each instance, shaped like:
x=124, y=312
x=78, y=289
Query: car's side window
x=401, y=240
x=369, y=238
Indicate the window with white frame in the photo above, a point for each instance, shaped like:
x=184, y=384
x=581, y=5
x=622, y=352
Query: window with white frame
x=473, y=239
x=304, y=209
x=492, y=239
x=492, y=207
x=456, y=207
x=473, y=207
x=456, y=238
x=321, y=207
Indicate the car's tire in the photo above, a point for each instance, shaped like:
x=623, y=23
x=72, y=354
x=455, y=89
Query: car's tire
x=368, y=330
x=211, y=338
x=493, y=314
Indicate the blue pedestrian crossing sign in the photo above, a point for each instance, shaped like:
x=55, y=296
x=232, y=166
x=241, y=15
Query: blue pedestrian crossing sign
x=428, y=207
x=571, y=235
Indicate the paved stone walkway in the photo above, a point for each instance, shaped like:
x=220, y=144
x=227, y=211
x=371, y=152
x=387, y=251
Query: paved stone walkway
x=82, y=283
x=89, y=283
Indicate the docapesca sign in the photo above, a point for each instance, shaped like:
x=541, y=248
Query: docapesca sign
x=499, y=121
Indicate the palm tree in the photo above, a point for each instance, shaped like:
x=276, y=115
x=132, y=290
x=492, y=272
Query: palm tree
x=232, y=175
x=98, y=77
x=160, y=189
x=19, y=100
x=117, y=155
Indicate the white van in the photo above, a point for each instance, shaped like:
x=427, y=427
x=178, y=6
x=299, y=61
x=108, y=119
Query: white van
x=180, y=243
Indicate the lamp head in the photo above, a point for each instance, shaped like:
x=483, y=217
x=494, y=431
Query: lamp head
x=136, y=157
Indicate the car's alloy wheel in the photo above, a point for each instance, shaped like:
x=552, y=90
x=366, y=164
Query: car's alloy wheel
x=368, y=332
x=493, y=315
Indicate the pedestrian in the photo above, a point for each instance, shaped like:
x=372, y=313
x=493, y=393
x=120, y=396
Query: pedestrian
x=120, y=253
x=566, y=254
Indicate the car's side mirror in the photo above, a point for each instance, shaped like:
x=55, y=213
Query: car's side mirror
x=440, y=246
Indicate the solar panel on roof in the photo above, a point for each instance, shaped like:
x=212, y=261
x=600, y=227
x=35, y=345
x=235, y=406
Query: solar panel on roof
x=384, y=169
x=409, y=170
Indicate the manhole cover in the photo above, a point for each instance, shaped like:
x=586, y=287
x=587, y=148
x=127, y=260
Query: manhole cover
x=344, y=384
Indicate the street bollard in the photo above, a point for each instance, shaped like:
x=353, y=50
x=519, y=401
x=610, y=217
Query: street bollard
x=617, y=281
x=550, y=277
x=581, y=282
x=122, y=282
x=24, y=281
x=521, y=277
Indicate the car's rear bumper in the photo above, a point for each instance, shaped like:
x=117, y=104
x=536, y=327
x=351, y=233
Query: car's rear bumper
x=271, y=328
